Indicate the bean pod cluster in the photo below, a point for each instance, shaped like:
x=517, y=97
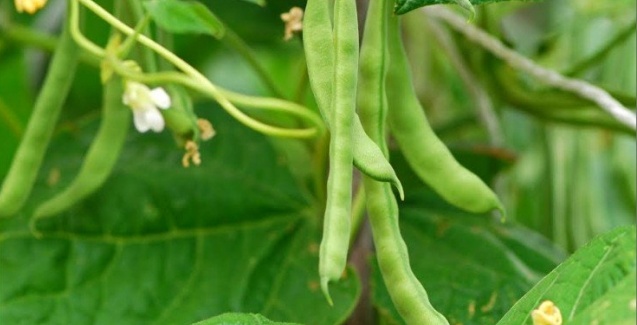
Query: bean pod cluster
x=385, y=99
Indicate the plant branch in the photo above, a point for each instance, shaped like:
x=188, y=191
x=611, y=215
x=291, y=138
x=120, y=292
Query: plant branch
x=192, y=77
x=582, y=88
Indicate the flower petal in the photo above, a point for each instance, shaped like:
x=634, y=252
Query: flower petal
x=126, y=98
x=154, y=119
x=136, y=95
x=141, y=124
x=160, y=98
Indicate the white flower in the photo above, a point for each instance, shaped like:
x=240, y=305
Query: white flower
x=145, y=103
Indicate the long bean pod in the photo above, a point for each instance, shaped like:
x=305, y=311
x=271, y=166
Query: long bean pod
x=19, y=181
x=425, y=153
x=407, y=293
x=101, y=157
x=337, y=220
x=318, y=43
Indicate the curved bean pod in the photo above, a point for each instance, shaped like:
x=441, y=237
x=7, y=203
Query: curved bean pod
x=407, y=293
x=101, y=157
x=24, y=168
x=318, y=42
x=424, y=152
x=337, y=220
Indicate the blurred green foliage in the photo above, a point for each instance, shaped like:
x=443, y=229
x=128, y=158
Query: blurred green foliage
x=240, y=233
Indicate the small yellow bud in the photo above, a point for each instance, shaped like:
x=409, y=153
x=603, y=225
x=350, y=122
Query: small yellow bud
x=547, y=314
x=30, y=6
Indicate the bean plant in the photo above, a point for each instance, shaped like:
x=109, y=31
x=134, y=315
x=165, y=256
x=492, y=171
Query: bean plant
x=317, y=162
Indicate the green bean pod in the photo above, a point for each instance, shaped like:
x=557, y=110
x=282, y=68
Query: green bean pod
x=337, y=220
x=407, y=293
x=24, y=168
x=424, y=152
x=318, y=44
x=102, y=154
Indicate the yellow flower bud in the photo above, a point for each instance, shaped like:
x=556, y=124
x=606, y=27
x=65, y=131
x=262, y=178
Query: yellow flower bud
x=547, y=314
x=30, y=6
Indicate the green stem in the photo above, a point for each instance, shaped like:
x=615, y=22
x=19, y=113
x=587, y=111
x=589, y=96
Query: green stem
x=581, y=121
x=128, y=44
x=556, y=108
x=149, y=59
x=28, y=36
x=41, y=41
x=198, y=80
x=578, y=87
x=228, y=97
x=77, y=35
x=275, y=103
x=143, y=39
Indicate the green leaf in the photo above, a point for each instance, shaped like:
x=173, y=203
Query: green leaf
x=405, y=6
x=239, y=319
x=473, y=267
x=596, y=285
x=184, y=17
x=162, y=244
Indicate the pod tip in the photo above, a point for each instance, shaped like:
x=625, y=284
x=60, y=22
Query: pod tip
x=324, y=287
x=502, y=213
x=399, y=187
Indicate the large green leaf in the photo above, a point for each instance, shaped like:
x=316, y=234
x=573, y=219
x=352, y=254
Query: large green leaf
x=160, y=244
x=596, y=285
x=405, y=6
x=473, y=267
